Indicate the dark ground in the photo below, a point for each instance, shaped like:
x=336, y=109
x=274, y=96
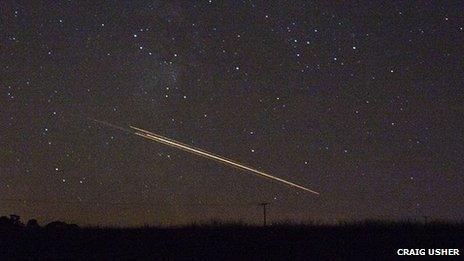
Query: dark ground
x=379, y=240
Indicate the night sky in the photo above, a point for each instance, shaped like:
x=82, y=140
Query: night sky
x=362, y=102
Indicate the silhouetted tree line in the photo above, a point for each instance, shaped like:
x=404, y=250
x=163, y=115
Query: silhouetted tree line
x=14, y=222
x=366, y=240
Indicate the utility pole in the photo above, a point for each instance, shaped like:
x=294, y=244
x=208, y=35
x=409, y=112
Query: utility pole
x=264, y=204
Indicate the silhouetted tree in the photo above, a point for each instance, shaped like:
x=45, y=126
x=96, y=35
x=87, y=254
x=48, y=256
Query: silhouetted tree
x=15, y=220
x=12, y=222
x=32, y=224
x=59, y=225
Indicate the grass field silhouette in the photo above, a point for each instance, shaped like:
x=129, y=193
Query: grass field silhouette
x=231, y=241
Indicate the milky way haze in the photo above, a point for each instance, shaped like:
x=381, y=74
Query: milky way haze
x=360, y=102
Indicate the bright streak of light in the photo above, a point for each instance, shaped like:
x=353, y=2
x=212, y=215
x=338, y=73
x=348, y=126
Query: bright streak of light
x=161, y=139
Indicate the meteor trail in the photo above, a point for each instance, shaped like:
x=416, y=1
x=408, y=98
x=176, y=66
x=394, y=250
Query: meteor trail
x=185, y=147
x=161, y=139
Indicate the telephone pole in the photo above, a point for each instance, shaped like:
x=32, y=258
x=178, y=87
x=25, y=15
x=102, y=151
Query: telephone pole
x=264, y=204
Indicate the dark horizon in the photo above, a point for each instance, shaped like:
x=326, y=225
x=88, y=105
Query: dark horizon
x=230, y=241
x=220, y=222
x=361, y=102
x=251, y=213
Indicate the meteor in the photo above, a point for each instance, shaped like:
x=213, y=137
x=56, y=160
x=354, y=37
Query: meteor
x=188, y=148
x=164, y=140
